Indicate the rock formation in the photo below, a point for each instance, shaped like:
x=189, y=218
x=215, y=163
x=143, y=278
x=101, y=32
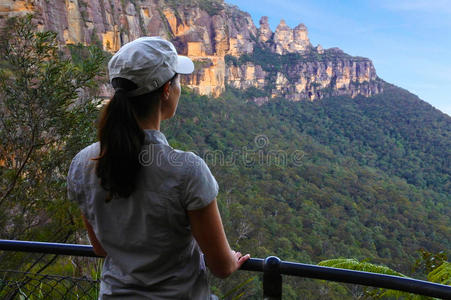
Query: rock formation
x=264, y=32
x=289, y=40
x=226, y=46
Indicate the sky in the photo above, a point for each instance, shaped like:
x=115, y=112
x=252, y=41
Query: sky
x=409, y=41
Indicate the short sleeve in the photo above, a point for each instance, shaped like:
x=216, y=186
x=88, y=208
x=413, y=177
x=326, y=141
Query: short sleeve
x=76, y=182
x=74, y=186
x=80, y=177
x=201, y=187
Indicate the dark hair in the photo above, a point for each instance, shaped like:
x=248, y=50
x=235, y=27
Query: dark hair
x=121, y=137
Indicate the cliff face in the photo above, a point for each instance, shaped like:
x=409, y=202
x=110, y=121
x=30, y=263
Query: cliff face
x=304, y=75
x=228, y=49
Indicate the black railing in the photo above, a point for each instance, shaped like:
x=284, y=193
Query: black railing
x=272, y=268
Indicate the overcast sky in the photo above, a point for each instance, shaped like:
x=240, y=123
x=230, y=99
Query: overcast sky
x=409, y=41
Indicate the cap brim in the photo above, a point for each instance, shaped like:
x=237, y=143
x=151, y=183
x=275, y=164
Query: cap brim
x=184, y=65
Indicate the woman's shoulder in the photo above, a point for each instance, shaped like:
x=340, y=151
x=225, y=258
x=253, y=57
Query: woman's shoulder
x=188, y=159
x=87, y=153
x=201, y=186
x=81, y=162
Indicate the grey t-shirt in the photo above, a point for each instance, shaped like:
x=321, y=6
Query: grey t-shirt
x=151, y=251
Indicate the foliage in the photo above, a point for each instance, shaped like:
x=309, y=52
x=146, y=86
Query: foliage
x=31, y=286
x=367, y=177
x=212, y=7
x=238, y=290
x=354, y=264
x=335, y=200
x=273, y=62
x=47, y=107
x=394, y=131
x=364, y=292
x=268, y=60
x=441, y=274
x=430, y=261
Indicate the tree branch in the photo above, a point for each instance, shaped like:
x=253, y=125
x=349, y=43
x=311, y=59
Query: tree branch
x=13, y=183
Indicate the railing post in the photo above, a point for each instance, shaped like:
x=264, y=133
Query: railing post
x=272, y=279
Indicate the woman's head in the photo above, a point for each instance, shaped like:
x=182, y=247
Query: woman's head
x=149, y=62
x=144, y=74
x=169, y=97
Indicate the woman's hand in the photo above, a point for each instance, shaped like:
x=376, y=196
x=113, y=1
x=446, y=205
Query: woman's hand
x=207, y=229
x=239, y=258
x=98, y=249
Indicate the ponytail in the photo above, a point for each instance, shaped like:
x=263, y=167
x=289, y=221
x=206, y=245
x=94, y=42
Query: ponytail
x=121, y=137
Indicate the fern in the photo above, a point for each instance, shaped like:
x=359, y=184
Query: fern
x=238, y=287
x=441, y=274
x=354, y=264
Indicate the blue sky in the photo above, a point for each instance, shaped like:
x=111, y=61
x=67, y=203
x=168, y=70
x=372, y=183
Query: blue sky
x=409, y=41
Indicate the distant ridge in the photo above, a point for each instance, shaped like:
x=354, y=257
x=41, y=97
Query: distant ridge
x=227, y=47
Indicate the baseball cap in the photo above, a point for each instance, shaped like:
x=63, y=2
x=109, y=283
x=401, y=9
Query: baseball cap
x=149, y=62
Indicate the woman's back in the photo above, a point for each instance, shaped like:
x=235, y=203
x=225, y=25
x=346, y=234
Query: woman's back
x=151, y=250
x=149, y=209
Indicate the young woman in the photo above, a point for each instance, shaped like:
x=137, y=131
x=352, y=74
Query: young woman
x=149, y=209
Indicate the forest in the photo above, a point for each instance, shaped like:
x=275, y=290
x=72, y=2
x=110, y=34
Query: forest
x=364, y=178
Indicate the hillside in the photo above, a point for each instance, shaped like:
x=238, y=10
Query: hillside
x=315, y=155
x=340, y=177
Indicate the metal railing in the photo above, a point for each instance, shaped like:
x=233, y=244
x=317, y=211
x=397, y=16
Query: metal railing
x=34, y=286
x=273, y=269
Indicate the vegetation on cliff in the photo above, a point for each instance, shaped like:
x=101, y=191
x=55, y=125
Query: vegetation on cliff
x=339, y=177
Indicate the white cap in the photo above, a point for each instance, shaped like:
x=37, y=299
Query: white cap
x=149, y=62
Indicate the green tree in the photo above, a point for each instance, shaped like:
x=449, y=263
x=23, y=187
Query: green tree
x=48, y=105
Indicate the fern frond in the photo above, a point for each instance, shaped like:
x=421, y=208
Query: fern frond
x=353, y=264
x=239, y=286
x=441, y=274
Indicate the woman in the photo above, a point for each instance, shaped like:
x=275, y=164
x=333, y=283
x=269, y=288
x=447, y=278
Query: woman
x=149, y=209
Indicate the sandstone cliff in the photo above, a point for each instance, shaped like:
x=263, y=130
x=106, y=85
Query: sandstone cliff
x=228, y=49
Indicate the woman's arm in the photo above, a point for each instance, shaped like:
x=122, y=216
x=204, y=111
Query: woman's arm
x=98, y=249
x=207, y=229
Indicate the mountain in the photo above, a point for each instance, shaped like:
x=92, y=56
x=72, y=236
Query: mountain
x=226, y=46
x=362, y=171
x=367, y=178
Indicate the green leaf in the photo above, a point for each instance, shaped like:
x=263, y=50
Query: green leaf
x=442, y=274
x=353, y=264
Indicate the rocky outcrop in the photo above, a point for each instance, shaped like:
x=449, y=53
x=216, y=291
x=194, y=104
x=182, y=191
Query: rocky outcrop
x=246, y=76
x=264, y=33
x=308, y=79
x=316, y=79
x=287, y=40
x=226, y=46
